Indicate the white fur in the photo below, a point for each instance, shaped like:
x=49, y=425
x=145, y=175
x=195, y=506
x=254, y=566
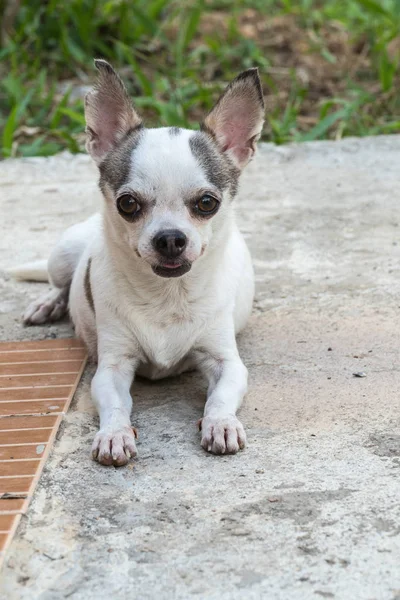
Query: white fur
x=33, y=271
x=150, y=325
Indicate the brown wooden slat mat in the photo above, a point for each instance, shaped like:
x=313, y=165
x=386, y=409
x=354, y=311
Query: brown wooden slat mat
x=37, y=383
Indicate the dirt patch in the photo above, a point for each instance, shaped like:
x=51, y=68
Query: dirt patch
x=384, y=444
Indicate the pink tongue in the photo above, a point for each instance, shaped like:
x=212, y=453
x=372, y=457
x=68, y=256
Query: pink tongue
x=171, y=265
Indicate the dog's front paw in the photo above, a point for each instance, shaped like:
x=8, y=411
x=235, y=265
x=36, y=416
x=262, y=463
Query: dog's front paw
x=114, y=447
x=221, y=435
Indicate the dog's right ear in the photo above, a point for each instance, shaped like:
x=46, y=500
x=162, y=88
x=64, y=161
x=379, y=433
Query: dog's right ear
x=109, y=112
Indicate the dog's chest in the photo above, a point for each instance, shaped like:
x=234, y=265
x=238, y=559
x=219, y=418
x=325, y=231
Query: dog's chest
x=166, y=344
x=167, y=334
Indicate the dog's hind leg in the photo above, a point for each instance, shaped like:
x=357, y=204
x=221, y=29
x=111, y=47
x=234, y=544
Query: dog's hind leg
x=49, y=307
x=61, y=267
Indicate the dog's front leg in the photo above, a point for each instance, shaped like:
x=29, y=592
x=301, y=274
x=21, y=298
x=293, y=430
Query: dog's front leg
x=114, y=444
x=221, y=430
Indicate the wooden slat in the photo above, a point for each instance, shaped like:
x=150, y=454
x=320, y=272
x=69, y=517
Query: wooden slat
x=15, y=485
x=42, y=355
x=7, y=522
x=36, y=381
x=17, y=468
x=25, y=436
x=18, y=452
x=57, y=366
x=8, y=505
x=63, y=344
x=28, y=422
x=32, y=407
x=62, y=391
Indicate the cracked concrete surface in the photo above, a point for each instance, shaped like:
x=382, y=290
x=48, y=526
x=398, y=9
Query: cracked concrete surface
x=311, y=508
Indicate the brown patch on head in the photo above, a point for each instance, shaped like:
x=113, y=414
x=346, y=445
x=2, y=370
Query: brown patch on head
x=173, y=131
x=109, y=113
x=116, y=166
x=219, y=169
x=88, y=287
x=236, y=120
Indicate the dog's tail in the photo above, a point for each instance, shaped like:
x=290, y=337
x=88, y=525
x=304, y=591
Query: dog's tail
x=32, y=271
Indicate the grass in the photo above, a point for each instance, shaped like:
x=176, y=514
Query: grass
x=329, y=68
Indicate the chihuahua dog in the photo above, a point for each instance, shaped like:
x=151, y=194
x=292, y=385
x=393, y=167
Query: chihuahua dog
x=162, y=281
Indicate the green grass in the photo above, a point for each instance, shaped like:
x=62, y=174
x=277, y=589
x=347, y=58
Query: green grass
x=329, y=68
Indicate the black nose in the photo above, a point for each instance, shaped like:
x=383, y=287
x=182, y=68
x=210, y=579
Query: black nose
x=170, y=243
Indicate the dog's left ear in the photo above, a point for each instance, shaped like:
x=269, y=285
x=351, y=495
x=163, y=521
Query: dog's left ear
x=236, y=120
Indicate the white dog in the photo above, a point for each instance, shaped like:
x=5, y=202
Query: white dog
x=162, y=281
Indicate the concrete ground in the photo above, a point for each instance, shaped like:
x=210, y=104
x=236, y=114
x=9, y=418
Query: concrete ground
x=311, y=508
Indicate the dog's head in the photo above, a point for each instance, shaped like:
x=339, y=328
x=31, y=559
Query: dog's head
x=168, y=191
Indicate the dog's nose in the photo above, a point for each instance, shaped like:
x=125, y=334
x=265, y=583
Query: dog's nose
x=170, y=243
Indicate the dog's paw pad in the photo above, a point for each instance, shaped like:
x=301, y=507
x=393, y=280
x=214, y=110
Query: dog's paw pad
x=222, y=435
x=114, y=447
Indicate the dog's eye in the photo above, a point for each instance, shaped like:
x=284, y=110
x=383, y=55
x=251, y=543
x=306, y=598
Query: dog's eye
x=207, y=205
x=128, y=205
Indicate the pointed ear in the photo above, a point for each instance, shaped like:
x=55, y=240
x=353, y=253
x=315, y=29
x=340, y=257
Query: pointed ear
x=236, y=120
x=109, y=112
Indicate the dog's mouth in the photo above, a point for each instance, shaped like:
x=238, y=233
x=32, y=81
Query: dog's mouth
x=172, y=268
